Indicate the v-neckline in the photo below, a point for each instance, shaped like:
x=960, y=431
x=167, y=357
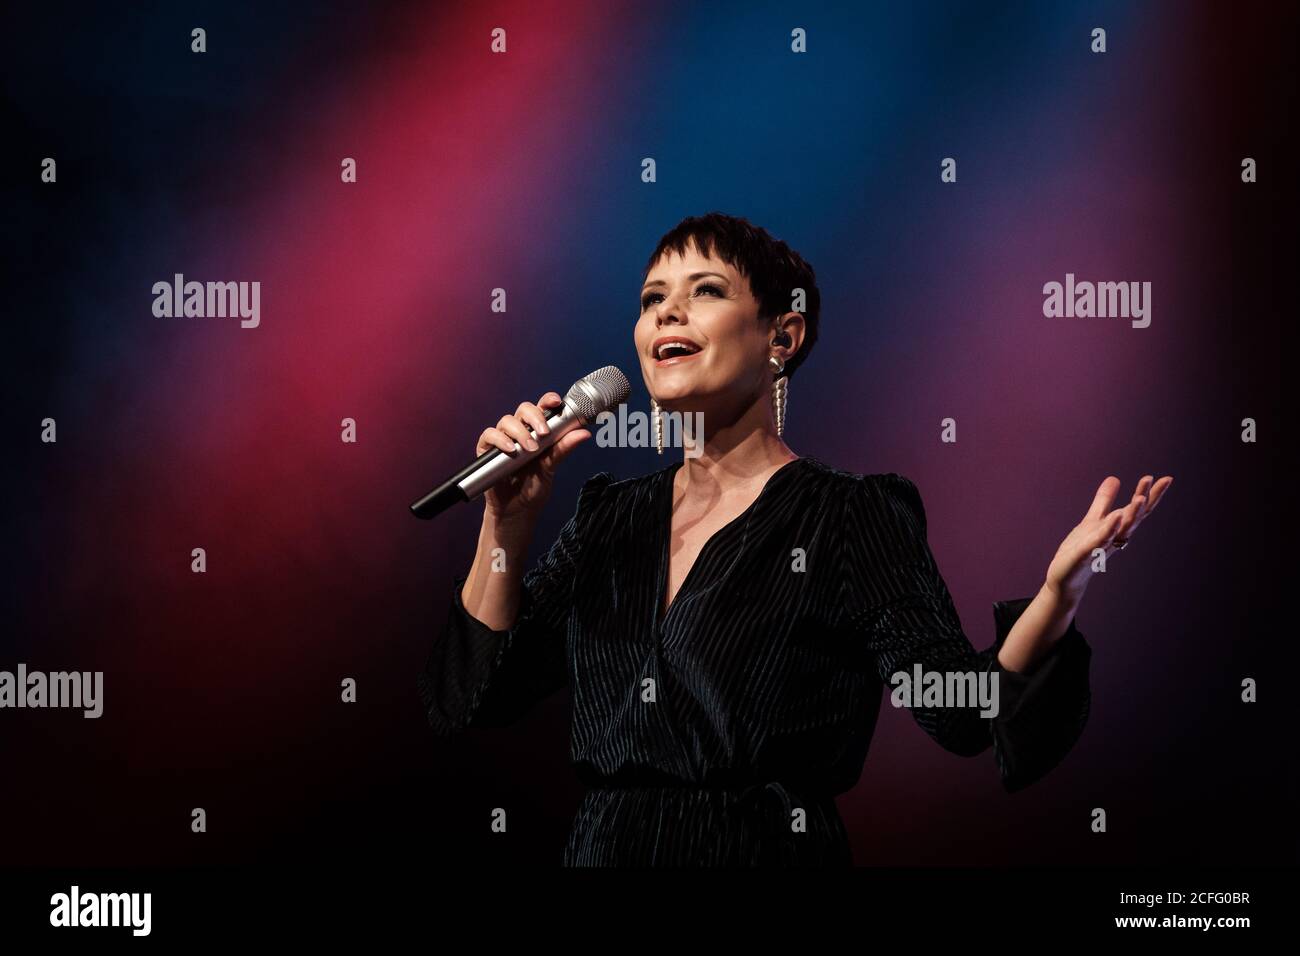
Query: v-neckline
x=665, y=523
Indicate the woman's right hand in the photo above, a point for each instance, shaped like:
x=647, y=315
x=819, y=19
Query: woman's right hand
x=519, y=497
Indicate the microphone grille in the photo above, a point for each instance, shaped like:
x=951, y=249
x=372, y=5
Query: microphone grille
x=598, y=392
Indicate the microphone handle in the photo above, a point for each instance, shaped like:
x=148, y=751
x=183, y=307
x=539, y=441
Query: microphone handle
x=493, y=465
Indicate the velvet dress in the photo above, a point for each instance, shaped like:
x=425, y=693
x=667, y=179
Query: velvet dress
x=720, y=732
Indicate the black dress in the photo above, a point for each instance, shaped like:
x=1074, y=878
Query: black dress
x=720, y=733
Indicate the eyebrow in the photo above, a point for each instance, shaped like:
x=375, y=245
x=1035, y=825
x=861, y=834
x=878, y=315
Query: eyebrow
x=693, y=276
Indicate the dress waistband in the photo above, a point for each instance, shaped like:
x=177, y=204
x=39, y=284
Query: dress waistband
x=647, y=779
x=771, y=803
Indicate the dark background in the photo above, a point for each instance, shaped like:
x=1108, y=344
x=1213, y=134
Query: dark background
x=523, y=172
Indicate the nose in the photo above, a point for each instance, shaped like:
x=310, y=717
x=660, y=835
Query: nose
x=667, y=312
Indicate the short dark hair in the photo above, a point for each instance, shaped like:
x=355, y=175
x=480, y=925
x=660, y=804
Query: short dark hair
x=773, y=269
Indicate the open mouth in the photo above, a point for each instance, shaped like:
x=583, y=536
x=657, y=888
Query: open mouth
x=673, y=351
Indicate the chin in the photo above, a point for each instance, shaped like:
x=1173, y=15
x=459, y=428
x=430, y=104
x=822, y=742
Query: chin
x=673, y=388
x=683, y=400
x=673, y=400
x=677, y=384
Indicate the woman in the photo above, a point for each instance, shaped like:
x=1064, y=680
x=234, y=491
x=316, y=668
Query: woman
x=727, y=624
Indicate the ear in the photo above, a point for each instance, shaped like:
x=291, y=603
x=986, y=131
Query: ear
x=792, y=323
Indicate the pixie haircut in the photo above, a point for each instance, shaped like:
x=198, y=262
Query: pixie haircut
x=773, y=269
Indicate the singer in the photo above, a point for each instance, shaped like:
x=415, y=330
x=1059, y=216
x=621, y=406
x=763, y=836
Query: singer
x=727, y=624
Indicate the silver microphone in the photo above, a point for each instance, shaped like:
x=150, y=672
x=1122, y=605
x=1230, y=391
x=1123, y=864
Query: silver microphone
x=601, y=391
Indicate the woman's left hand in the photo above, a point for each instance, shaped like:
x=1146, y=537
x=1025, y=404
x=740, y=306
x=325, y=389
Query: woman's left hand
x=1071, y=570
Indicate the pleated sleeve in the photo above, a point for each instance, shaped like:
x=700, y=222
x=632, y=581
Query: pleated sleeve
x=475, y=676
x=895, y=599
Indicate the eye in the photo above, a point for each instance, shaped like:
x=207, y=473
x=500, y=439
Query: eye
x=647, y=299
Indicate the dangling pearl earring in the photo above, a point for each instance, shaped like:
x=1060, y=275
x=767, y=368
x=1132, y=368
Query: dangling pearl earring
x=779, y=389
x=658, y=425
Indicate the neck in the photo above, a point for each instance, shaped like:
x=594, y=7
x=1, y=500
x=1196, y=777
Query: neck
x=736, y=452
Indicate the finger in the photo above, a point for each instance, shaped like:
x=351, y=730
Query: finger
x=1105, y=495
x=1149, y=506
x=495, y=438
x=534, y=416
x=1158, y=491
x=550, y=400
x=518, y=431
x=569, y=441
x=1143, y=494
x=1109, y=528
x=1130, y=516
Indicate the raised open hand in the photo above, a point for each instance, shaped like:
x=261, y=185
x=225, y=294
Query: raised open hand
x=1071, y=569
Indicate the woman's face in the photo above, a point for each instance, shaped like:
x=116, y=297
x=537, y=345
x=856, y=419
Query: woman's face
x=706, y=304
